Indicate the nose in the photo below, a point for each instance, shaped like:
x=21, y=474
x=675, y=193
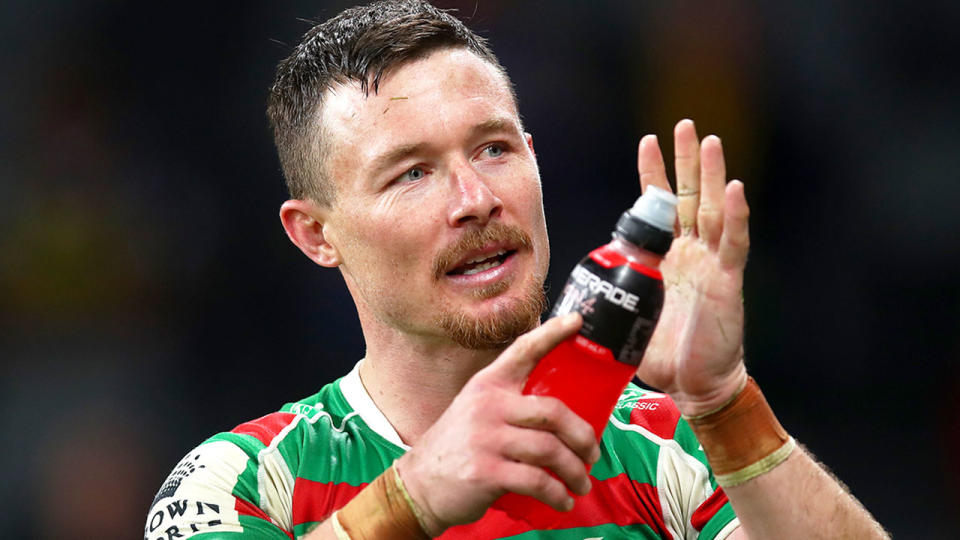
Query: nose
x=472, y=199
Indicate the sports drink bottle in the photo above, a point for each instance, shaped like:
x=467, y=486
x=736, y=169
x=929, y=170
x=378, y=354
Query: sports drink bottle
x=618, y=290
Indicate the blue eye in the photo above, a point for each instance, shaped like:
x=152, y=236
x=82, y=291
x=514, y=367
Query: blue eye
x=494, y=150
x=412, y=175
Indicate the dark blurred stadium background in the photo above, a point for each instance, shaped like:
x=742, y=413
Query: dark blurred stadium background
x=149, y=298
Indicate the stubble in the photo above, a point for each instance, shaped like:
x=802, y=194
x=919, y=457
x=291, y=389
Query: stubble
x=512, y=317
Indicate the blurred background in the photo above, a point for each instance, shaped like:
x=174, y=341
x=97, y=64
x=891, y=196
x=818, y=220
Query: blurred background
x=149, y=297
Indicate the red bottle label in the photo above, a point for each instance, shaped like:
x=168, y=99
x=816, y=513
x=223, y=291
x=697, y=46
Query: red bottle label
x=620, y=302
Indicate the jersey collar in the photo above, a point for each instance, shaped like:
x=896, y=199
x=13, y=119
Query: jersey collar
x=360, y=401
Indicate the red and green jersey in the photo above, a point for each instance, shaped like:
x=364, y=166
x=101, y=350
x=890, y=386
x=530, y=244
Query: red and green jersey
x=279, y=476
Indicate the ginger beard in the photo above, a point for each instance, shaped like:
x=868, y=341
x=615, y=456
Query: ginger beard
x=514, y=317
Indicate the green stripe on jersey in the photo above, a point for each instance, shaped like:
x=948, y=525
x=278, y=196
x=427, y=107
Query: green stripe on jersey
x=327, y=444
x=720, y=520
x=619, y=447
x=344, y=449
x=252, y=527
x=246, y=487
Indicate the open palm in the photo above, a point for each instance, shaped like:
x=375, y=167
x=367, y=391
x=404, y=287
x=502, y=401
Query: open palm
x=696, y=352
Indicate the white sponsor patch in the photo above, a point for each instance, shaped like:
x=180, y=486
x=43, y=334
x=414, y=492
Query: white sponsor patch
x=197, y=496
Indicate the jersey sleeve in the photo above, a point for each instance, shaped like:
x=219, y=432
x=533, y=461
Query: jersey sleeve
x=231, y=487
x=692, y=505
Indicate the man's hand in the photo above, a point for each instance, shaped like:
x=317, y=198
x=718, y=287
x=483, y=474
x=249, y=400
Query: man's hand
x=492, y=439
x=696, y=351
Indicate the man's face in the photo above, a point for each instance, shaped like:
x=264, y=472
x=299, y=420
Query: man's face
x=438, y=216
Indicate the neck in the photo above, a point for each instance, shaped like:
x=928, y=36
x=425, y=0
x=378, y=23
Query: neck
x=413, y=382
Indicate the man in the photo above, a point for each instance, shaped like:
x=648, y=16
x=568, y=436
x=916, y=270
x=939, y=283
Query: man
x=410, y=171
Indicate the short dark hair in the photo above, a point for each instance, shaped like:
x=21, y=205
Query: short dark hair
x=360, y=44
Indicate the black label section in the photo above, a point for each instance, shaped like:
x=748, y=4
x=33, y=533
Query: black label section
x=620, y=307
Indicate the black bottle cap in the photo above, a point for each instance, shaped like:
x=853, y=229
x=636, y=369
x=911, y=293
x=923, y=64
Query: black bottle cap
x=643, y=235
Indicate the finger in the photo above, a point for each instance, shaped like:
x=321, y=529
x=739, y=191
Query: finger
x=535, y=482
x=713, y=178
x=546, y=450
x=735, y=242
x=687, y=164
x=550, y=414
x=518, y=360
x=650, y=164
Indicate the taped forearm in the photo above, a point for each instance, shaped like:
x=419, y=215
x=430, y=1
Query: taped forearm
x=382, y=511
x=776, y=490
x=742, y=439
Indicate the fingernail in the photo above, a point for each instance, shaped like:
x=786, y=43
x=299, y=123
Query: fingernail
x=568, y=504
x=595, y=455
x=586, y=487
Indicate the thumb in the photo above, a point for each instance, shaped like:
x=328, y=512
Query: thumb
x=515, y=363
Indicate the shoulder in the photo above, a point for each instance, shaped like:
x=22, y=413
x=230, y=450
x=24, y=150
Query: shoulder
x=199, y=495
x=328, y=405
x=282, y=435
x=242, y=480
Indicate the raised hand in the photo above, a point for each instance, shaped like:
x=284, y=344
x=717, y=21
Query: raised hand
x=492, y=439
x=696, y=352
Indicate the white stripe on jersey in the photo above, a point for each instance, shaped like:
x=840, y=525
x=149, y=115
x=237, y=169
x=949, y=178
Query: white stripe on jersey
x=275, y=481
x=727, y=529
x=197, y=498
x=683, y=483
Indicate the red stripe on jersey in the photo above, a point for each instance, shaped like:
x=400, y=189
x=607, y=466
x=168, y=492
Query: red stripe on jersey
x=265, y=428
x=708, y=509
x=246, y=508
x=657, y=414
x=315, y=501
x=618, y=500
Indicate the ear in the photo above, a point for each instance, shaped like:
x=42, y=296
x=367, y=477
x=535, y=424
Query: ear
x=529, y=138
x=305, y=222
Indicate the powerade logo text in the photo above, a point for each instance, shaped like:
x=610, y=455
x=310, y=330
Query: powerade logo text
x=588, y=281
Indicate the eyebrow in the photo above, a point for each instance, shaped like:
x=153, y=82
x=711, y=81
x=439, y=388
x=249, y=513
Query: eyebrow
x=493, y=125
x=403, y=151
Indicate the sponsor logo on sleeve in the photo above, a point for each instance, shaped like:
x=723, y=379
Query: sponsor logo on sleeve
x=184, y=469
x=197, y=496
x=180, y=517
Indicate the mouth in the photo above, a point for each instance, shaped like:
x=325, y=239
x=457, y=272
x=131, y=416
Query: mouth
x=482, y=262
x=482, y=257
